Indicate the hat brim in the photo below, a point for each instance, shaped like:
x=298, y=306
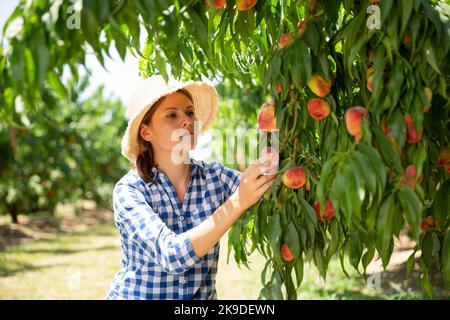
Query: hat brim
x=206, y=104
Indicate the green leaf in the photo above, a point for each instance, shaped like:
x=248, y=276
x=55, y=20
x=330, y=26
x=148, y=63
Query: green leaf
x=427, y=250
x=376, y=163
x=397, y=127
x=387, y=150
x=274, y=235
x=319, y=261
x=55, y=83
x=441, y=205
x=384, y=229
x=431, y=58
x=292, y=239
x=334, y=239
x=306, y=59
x=406, y=9
x=298, y=268
x=275, y=285
x=367, y=171
x=446, y=259
x=30, y=67
x=412, y=207
x=368, y=256
x=410, y=264
x=354, y=248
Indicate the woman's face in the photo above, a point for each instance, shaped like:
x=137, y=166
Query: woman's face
x=171, y=128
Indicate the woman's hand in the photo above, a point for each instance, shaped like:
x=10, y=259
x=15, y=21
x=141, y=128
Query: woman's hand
x=253, y=183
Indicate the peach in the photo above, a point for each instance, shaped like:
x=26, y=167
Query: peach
x=285, y=39
x=217, y=4
x=444, y=158
x=370, y=75
x=353, y=118
x=294, y=178
x=411, y=171
x=427, y=223
x=279, y=88
x=407, y=40
x=318, y=109
x=387, y=132
x=266, y=117
x=411, y=133
x=329, y=210
x=301, y=26
x=286, y=253
x=318, y=85
x=429, y=95
x=243, y=5
x=407, y=180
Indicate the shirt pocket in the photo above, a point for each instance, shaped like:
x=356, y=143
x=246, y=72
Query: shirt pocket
x=204, y=210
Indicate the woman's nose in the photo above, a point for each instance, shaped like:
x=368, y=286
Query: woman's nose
x=187, y=122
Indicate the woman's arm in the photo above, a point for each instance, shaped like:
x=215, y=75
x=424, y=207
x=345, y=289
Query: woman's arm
x=251, y=188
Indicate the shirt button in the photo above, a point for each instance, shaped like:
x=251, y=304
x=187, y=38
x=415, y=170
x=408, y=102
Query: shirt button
x=181, y=218
x=183, y=281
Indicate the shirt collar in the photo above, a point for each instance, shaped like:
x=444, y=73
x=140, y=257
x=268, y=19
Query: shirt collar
x=197, y=167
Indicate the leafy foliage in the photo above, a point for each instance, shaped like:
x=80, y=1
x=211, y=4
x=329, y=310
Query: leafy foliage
x=387, y=71
x=44, y=163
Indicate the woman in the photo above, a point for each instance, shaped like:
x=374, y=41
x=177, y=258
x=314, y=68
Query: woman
x=171, y=210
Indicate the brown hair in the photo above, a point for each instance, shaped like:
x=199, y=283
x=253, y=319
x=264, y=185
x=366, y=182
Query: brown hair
x=145, y=161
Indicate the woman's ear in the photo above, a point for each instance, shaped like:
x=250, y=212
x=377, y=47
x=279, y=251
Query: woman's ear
x=145, y=133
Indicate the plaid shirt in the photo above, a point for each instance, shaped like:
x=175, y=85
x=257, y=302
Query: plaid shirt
x=159, y=261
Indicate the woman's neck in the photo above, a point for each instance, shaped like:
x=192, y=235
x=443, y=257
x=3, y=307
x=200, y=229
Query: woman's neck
x=178, y=173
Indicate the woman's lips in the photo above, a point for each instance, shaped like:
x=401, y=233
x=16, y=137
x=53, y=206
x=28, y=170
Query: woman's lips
x=188, y=133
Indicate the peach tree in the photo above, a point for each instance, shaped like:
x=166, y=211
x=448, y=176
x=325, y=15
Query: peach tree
x=359, y=91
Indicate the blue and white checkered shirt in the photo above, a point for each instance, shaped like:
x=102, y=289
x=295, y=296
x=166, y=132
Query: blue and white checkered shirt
x=159, y=261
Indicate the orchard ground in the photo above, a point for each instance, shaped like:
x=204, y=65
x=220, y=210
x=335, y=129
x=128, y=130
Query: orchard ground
x=76, y=255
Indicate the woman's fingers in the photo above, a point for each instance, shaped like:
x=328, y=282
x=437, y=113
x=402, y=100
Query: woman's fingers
x=265, y=183
x=262, y=165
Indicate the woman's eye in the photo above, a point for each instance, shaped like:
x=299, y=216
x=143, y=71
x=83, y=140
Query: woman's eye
x=191, y=113
x=172, y=115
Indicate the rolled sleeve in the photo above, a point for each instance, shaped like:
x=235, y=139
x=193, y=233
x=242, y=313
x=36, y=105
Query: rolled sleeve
x=141, y=225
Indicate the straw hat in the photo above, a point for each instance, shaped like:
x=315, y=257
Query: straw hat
x=204, y=97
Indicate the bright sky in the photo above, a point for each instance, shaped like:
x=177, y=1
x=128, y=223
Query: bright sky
x=120, y=78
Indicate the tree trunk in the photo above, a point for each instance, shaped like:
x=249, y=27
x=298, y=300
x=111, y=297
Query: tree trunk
x=12, y=208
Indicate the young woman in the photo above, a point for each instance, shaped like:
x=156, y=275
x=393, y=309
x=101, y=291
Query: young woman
x=171, y=210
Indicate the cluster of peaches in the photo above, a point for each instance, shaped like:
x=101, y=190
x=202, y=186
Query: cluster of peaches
x=319, y=109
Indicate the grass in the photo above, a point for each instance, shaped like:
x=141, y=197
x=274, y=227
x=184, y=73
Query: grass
x=77, y=265
x=81, y=265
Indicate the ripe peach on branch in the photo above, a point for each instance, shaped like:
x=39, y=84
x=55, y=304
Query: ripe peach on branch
x=329, y=210
x=285, y=39
x=411, y=133
x=353, y=121
x=243, y=5
x=286, y=253
x=217, y=4
x=294, y=178
x=318, y=108
x=319, y=86
x=429, y=95
x=266, y=117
